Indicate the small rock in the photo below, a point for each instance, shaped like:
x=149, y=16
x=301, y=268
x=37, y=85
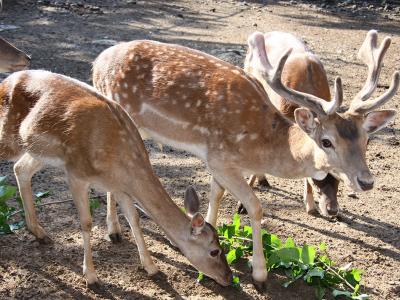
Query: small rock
x=180, y=16
x=255, y=24
x=352, y=195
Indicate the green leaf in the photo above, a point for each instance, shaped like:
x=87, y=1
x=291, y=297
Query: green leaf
x=236, y=222
x=315, y=272
x=289, y=254
x=322, y=246
x=7, y=192
x=271, y=241
x=3, y=180
x=236, y=281
x=94, y=204
x=308, y=254
x=248, y=232
x=289, y=243
x=200, y=277
x=337, y=293
x=233, y=255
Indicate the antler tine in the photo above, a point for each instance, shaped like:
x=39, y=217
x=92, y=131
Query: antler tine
x=372, y=56
x=363, y=107
x=274, y=79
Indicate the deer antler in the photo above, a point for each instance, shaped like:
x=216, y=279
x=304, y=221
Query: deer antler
x=274, y=79
x=372, y=56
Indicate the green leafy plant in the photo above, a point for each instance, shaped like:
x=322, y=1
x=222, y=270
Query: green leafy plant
x=94, y=203
x=8, y=224
x=311, y=263
x=8, y=192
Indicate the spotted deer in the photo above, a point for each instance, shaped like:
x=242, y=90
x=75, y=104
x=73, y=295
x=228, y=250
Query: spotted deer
x=304, y=72
x=48, y=118
x=193, y=101
x=11, y=58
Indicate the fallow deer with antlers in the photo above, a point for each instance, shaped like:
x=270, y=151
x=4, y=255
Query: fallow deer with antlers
x=193, y=101
x=304, y=72
x=46, y=118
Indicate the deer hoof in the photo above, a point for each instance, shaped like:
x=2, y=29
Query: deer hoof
x=45, y=240
x=94, y=286
x=242, y=210
x=264, y=183
x=115, y=238
x=260, y=285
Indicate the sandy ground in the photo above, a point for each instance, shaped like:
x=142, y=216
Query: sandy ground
x=65, y=37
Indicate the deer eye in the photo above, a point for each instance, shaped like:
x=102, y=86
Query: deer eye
x=214, y=253
x=326, y=143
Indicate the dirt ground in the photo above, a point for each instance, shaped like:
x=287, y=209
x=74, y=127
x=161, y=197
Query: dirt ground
x=65, y=37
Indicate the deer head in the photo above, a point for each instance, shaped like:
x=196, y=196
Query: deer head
x=340, y=139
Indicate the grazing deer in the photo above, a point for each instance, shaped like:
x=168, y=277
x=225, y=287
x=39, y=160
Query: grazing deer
x=304, y=72
x=11, y=58
x=52, y=119
x=196, y=102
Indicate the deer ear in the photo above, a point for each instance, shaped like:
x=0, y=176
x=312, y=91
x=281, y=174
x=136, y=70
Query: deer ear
x=305, y=119
x=257, y=56
x=191, y=202
x=197, y=223
x=376, y=120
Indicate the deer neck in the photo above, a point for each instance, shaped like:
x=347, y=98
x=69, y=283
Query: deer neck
x=305, y=157
x=159, y=206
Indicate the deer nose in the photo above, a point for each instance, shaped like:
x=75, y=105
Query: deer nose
x=365, y=184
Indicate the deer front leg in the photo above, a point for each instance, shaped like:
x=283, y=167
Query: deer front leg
x=308, y=197
x=24, y=169
x=113, y=226
x=233, y=181
x=216, y=194
x=132, y=216
x=79, y=190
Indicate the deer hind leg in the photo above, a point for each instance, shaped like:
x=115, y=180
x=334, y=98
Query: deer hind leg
x=113, y=226
x=262, y=180
x=308, y=197
x=79, y=190
x=24, y=169
x=132, y=216
x=233, y=181
x=216, y=194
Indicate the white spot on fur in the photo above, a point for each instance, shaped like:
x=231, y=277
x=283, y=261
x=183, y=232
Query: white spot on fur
x=134, y=88
x=253, y=136
x=116, y=97
x=198, y=103
x=187, y=104
x=125, y=85
x=202, y=130
x=240, y=137
x=236, y=72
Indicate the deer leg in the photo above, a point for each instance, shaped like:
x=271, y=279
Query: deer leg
x=252, y=180
x=113, y=226
x=262, y=180
x=309, y=197
x=24, y=169
x=79, y=190
x=233, y=181
x=216, y=194
x=132, y=216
